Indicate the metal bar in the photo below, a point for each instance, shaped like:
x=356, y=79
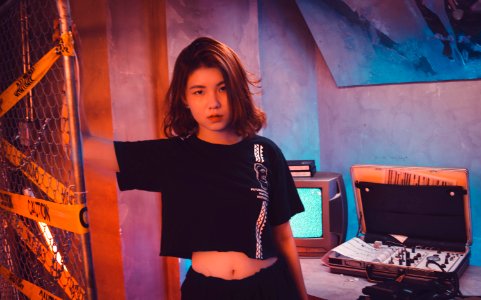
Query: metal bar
x=63, y=7
x=25, y=125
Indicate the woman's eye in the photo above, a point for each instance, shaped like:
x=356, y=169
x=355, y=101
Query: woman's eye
x=222, y=89
x=198, y=92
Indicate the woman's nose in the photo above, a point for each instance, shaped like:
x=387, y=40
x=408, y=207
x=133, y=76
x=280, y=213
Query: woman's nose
x=214, y=101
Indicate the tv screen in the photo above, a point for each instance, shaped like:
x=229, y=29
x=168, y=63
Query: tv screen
x=306, y=224
x=323, y=224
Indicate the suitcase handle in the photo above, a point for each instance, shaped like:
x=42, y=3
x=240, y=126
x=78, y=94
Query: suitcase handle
x=376, y=279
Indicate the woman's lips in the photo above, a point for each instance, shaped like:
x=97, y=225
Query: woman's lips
x=215, y=118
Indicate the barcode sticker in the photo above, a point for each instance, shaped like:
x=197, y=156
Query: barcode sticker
x=413, y=178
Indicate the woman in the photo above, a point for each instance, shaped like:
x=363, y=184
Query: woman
x=227, y=193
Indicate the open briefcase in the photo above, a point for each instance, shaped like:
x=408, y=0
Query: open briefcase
x=414, y=223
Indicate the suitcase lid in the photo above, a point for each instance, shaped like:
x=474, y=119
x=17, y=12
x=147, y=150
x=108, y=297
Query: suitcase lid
x=413, y=203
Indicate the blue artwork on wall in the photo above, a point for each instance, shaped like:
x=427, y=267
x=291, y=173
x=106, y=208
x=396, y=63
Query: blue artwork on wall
x=396, y=41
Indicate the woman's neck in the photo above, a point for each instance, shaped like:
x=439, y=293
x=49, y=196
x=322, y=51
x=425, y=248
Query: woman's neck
x=222, y=138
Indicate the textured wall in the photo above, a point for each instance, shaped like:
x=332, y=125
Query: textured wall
x=363, y=42
x=135, y=107
x=94, y=90
x=122, y=59
x=231, y=22
x=289, y=80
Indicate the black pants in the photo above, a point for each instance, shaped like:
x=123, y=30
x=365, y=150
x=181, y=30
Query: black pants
x=272, y=283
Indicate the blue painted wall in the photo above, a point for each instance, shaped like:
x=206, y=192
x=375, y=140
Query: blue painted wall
x=289, y=80
x=364, y=42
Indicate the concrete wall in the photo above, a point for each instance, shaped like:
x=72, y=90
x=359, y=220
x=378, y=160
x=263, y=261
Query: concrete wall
x=136, y=34
x=289, y=80
x=123, y=74
x=94, y=92
x=232, y=22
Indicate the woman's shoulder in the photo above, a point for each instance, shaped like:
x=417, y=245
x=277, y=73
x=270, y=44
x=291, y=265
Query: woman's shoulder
x=164, y=140
x=149, y=144
x=259, y=139
x=268, y=145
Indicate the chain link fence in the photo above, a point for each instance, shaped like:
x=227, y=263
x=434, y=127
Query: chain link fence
x=40, y=256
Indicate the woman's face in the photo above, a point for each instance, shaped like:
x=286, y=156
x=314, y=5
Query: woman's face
x=206, y=97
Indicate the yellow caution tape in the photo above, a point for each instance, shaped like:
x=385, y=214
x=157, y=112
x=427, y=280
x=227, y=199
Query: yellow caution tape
x=27, y=288
x=25, y=83
x=55, y=190
x=65, y=280
x=63, y=216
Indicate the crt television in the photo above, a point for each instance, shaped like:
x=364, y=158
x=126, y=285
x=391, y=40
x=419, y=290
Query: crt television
x=322, y=225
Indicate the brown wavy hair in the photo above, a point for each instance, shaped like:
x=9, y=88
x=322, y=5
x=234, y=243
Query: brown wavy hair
x=247, y=118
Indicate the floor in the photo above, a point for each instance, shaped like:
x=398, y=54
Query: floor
x=322, y=284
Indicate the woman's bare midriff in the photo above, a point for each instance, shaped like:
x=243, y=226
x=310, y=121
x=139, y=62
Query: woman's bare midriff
x=228, y=265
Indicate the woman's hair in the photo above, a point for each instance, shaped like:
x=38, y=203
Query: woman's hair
x=247, y=119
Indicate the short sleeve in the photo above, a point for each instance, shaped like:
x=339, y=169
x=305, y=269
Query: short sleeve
x=141, y=164
x=285, y=200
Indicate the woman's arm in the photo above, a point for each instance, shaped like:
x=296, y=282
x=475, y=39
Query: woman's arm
x=100, y=153
x=286, y=245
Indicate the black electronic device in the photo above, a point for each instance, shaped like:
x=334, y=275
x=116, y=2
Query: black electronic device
x=391, y=289
x=414, y=223
x=323, y=224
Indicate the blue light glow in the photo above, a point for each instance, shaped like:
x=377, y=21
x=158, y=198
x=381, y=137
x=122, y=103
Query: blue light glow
x=308, y=224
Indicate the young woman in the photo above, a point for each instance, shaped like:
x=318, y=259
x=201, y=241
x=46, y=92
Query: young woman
x=227, y=193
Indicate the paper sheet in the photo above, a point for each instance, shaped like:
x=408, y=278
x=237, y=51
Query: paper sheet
x=357, y=249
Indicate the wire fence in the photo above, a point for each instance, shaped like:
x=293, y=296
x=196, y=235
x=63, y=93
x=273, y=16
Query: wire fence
x=42, y=251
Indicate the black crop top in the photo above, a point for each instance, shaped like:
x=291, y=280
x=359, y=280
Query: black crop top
x=214, y=197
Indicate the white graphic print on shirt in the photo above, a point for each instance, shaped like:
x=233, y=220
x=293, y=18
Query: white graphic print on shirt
x=262, y=194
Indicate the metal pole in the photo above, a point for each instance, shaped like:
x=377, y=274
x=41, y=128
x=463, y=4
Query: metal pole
x=76, y=143
x=25, y=125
